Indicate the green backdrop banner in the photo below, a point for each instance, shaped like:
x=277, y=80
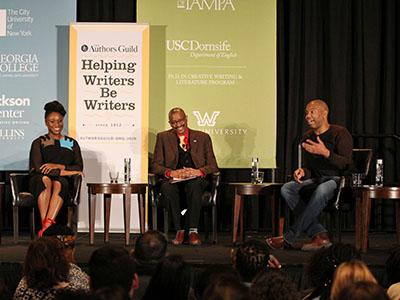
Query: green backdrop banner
x=217, y=60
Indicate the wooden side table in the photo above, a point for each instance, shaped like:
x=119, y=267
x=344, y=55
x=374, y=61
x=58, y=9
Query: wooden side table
x=364, y=196
x=108, y=189
x=248, y=189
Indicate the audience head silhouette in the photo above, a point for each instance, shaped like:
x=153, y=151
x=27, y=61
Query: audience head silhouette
x=111, y=266
x=45, y=264
x=273, y=284
x=251, y=258
x=150, y=249
x=349, y=272
x=323, y=264
x=66, y=236
x=171, y=280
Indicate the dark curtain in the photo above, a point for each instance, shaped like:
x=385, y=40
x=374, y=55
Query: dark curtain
x=345, y=52
x=106, y=10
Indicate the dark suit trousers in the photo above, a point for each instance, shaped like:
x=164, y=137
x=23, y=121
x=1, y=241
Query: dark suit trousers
x=192, y=190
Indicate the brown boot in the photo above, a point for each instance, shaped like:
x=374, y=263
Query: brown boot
x=194, y=239
x=319, y=241
x=278, y=243
x=178, y=240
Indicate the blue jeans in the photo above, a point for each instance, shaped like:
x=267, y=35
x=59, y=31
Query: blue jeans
x=307, y=213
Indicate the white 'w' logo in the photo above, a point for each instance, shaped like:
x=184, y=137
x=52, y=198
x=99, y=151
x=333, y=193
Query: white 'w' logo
x=206, y=120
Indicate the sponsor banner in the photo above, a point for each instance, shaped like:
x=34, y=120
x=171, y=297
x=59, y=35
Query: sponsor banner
x=33, y=71
x=217, y=60
x=108, y=101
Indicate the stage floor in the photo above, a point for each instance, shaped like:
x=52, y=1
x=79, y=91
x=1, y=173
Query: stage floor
x=380, y=246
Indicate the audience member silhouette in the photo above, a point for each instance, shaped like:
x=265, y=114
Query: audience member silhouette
x=111, y=266
x=363, y=290
x=322, y=266
x=67, y=237
x=73, y=295
x=46, y=271
x=251, y=258
x=226, y=287
x=393, y=273
x=273, y=284
x=208, y=275
x=150, y=249
x=349, y=272
x=171, y=280
x=107, y=293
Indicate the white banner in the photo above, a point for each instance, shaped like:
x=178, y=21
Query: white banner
x=108, y=109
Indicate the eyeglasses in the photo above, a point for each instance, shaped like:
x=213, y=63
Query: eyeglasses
x=177, y=122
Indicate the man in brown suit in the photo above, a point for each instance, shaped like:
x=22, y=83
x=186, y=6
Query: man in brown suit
x=187, y=155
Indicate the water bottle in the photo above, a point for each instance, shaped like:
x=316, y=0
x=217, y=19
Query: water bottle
x=254, y=169
x=379, y=173
x=127, y=170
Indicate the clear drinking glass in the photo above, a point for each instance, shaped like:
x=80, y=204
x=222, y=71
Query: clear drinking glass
x=260, y=177
x=356, y=179
x=113, y=176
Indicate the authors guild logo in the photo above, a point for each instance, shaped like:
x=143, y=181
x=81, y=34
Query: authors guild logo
x=96, y=48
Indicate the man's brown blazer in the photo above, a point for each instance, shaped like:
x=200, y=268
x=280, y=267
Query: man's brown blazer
x=166, y=152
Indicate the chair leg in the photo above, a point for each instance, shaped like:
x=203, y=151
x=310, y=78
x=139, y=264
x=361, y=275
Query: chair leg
x=166, y=223
x=154, y=217
x=206, y=224
x=287, y=217
x=214, y=224
x=32, y=223
x=16, y=224
x=71, y=220
x=338, y=226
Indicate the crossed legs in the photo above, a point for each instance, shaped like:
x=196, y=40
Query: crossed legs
x=307, y=213
x=49, y=202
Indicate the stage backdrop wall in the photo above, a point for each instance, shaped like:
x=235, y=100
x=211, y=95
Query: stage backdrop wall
x=33, y=71
x=217, y=60
x=108, y=109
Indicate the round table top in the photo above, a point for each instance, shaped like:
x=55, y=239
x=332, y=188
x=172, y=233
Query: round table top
x=115, y=184
x=116, y=188
x=380, y=192
x=255, y=185
x=375, y=187
x=248, y=188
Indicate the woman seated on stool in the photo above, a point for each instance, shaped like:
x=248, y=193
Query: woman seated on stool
x=53, y=157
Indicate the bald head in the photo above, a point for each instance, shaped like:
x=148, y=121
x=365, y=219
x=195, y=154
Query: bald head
x=321, y=104
x=176, y=110
x=178, y=120
x=316, y=115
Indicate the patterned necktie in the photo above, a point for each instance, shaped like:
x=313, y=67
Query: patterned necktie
x=182, y=143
